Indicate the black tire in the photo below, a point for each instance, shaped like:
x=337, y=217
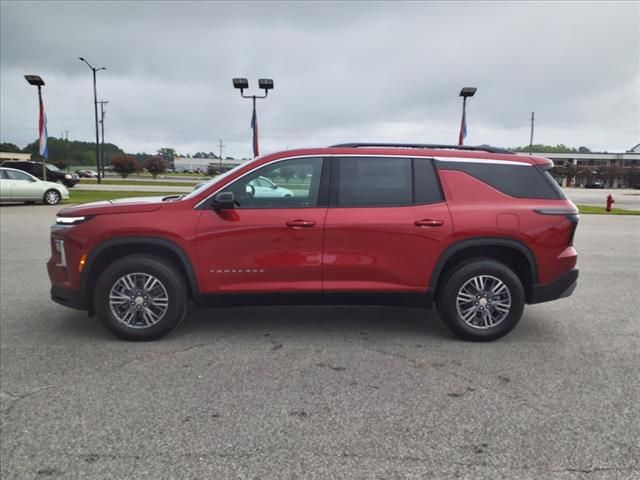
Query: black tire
x=476, y=330
x=52, y=197
x=167, y=275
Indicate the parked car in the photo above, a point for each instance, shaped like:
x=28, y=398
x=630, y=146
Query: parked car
x=477, y=231
x=262, y=187
x=86, y=174
x=19, y=186
x=54, y=174
x=596, y=184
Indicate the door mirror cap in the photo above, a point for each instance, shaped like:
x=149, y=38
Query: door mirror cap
x=223, y=200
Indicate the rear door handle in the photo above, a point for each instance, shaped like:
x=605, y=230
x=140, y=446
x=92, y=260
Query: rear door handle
x=301, y=223
x=428, y=223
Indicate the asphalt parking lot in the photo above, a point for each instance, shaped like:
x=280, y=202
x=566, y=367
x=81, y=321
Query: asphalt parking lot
x=322, y=392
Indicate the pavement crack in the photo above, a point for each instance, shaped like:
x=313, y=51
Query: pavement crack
x=16, y=398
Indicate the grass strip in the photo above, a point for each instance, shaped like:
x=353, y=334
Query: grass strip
x=149, y=183
x=85, y=196
x=593, y=210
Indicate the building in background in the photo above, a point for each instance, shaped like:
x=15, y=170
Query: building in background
x=14, y=156
x=579, y=169
x=189, y=164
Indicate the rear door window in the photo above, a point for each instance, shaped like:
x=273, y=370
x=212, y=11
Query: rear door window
x=372, y=181
x=384, y=182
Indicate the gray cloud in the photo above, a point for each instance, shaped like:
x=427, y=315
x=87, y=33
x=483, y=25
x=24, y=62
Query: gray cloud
x=343, y=71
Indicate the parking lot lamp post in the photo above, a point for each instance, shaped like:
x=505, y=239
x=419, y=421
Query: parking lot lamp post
x=42, y=122
x=464, y=93
x=265, y=84
x=95, y=104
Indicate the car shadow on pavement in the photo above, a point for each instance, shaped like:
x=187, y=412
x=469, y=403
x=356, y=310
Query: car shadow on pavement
x=294, y=321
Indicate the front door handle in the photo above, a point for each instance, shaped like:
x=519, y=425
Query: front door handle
x=301, y=223
x=427, y=222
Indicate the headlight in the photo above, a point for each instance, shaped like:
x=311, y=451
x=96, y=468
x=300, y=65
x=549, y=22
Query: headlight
x=68, y=177
x=59, y=246
x=71, y=220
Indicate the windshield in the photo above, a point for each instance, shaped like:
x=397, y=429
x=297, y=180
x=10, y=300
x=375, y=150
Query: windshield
x=211, y=182
x=52, y=167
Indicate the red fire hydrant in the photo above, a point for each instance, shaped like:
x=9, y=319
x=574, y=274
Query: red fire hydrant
x=610, y=201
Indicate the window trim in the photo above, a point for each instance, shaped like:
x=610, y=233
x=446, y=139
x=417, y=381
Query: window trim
x=329, y=156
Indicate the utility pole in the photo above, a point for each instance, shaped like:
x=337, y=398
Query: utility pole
x=533, y=114
x=221, y=146
x=102, y=114
x=95, y=104
x=66, y=145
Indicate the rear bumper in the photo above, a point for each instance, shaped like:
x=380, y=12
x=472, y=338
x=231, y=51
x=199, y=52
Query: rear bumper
x=68, y=298
x=560, y=288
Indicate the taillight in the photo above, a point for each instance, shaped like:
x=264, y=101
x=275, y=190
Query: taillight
x=570, y=214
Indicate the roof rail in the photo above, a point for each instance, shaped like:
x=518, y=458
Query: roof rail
x=482, y=148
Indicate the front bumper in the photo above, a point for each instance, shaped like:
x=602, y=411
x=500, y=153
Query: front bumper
x=67, y=297
x=560, y=288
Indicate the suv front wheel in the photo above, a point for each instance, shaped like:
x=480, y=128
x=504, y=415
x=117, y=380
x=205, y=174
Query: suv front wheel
x=140, y=297
x=481, y=300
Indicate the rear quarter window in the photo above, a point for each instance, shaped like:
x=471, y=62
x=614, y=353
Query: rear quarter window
x=524, y=181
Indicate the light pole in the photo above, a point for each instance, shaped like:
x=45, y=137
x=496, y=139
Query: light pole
x=265, y=84
x=102, y=113
x=464, y=93
x=42, y=122
x=95, y=103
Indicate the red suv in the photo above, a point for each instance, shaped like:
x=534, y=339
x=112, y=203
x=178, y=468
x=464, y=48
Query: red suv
x=480, y=231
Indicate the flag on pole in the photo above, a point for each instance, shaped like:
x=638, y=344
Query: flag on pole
x=463, y=128
x=254, y=126
x=42, y=131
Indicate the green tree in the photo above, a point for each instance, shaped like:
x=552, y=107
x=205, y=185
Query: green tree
x=542, y=148
x=125, y=165
x=73, y=152
x=10, y=148
x=168, y=154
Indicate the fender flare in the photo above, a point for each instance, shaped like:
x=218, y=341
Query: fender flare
x=482, y=242
x=97, y=250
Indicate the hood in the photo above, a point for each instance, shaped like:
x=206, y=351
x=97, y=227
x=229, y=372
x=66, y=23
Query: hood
x=110, y=207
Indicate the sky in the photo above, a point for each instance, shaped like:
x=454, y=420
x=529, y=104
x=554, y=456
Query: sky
x=349, y=71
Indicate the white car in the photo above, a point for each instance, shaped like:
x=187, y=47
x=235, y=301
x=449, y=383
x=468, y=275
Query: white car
x=262, y=187
x=19, y=186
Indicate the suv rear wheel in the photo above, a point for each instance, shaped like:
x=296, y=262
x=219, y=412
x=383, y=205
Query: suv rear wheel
x=140, y=297
x=481, y=300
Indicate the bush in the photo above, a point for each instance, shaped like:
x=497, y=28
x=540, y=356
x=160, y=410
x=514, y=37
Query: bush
x=287, y=173
x=125, y=165
x=156, y=165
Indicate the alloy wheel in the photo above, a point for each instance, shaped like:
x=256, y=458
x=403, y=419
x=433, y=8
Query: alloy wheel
x=483, y=302
x=138, y=300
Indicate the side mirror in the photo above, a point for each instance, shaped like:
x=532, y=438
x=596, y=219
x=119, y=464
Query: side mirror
x=223, y=200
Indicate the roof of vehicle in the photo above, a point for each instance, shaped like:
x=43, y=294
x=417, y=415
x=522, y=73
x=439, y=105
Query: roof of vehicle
x=458, y=152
